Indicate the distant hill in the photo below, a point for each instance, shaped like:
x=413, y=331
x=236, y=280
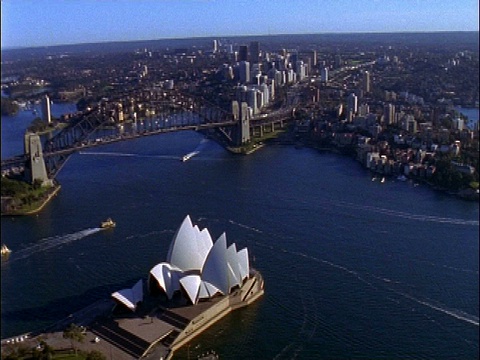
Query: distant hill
x=468, y=40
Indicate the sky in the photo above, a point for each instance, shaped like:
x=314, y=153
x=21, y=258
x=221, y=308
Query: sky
x=32, y=23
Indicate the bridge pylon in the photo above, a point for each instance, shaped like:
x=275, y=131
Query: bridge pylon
x=35, y=168
x=240, y=112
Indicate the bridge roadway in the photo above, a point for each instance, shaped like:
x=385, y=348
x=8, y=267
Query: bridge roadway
x=259, y=120
x=130, y=136
x=20, y=159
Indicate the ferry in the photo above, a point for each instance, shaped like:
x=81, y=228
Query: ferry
x=383, y=180
x=5, y=250
x=109, y=223
x=402, y=178
x=189, y=156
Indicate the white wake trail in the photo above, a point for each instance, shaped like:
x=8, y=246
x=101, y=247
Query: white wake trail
x=50, y=243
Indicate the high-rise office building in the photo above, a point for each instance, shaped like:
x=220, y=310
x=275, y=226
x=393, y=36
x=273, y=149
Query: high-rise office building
x=389, y=114
x=254, y=51
x=215, y=46
x=244, y=72
x=324, y=75
x=46, y=112
x=366, y=82
x=300, y=70
x=243, y=53
x=352, y=103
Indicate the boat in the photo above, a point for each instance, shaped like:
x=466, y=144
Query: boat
x=402, y=178
x=383, y=180
x=5, y=250
x=109, y=223
x=189, y=155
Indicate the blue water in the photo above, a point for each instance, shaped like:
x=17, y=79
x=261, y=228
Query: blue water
x=353, y=268
x=13, y=127
x=472, y=114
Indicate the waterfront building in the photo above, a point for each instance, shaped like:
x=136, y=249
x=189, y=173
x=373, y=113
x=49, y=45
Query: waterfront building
x=46, y=111
x=195, y=267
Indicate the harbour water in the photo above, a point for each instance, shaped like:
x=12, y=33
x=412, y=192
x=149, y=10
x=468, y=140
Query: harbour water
x=353, y=268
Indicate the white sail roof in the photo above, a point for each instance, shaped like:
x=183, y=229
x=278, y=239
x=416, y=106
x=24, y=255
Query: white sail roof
x=167, y=277
x=203, y=292
x=191, y=285
x=243, y=263
x=215, y=269
x=130, y=297
x=234, y=274
x=189, y=247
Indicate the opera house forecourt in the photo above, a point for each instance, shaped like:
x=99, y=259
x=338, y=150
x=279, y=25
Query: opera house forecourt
x=200, y=282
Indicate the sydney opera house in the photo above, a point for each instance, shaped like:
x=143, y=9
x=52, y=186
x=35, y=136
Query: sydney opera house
x=200, y=282
x=195, y=266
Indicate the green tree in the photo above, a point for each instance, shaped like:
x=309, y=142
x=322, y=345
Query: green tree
x=74, y=333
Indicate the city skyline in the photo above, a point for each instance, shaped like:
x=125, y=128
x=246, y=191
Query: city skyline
x=41, y=23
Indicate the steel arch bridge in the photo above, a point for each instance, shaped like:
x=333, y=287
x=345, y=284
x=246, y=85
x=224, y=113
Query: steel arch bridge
x=168, y=111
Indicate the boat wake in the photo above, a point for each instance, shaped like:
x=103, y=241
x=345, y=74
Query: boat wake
x=409, y=216
x=245, y=226
x=50, y=243
x=99, y=153
x=197, y=150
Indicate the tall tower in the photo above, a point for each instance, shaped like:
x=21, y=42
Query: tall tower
x=389, y=114
x=352, y=103
x=324, y=75
x=46, y=113
x=314, y=58
x=243, y=53
x=244, y=71
x=366, y=82
x=215, y=46
x=254, y=51
x=36, y=169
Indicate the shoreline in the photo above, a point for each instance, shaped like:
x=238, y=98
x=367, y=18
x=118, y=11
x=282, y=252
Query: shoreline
x=43, y=203
x=158, y=334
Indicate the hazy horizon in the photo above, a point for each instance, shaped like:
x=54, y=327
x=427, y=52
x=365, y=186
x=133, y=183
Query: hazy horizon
x=42, y=23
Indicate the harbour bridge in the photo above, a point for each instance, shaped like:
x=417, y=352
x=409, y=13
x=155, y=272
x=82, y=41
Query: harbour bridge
x=162, y=112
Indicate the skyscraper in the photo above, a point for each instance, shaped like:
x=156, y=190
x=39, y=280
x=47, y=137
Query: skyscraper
x=215, y=46
x=352, y=102
x=46, y=113
x=366, y=82
x=324, y=75
x=254, y=51
x=244, y=72
x=389, y=114
x=243, y=53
